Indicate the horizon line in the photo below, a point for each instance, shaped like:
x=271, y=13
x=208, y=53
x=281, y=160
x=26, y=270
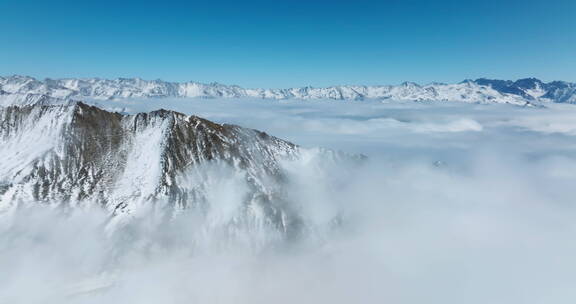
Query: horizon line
x=280, y=88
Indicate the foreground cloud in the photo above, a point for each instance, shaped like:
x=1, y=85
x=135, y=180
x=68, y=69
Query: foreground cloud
x=457, y=204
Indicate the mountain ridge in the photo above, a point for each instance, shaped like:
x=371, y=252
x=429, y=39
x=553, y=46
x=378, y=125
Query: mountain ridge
x=520, y=92
x=78, y=154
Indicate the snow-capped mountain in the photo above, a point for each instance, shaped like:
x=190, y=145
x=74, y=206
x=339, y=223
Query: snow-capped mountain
x=521, y=92
x=533, y=89
x=7, y=99
x=77, y=154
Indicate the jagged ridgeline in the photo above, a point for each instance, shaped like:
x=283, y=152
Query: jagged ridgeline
x=529, y=91
x=77, y=154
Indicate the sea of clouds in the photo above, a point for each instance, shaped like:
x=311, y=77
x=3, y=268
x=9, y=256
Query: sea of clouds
x=457, y=203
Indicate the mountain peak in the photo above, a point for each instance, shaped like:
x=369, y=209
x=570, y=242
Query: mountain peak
x=86, y=155
x=528, y=83
x=409, y=84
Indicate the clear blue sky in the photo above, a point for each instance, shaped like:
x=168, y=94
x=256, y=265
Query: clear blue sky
x=290, y=43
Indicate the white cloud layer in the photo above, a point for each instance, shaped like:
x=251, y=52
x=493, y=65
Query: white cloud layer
x=457, y=204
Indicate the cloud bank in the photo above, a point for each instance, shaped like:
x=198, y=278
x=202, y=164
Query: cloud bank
x=456, y=204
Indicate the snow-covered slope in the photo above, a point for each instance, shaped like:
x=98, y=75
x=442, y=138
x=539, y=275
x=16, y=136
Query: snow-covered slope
x=76, y=154
x=520, y=92
x=8, y=99
x=533, y=89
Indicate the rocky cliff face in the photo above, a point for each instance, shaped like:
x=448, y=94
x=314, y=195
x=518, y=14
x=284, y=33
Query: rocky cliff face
x=78, y=155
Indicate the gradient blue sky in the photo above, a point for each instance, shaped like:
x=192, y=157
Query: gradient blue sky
x=290, y=43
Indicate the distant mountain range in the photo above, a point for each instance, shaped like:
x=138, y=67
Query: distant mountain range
x=27, y=90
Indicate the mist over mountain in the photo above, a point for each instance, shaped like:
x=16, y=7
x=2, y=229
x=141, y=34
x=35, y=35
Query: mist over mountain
x=25, y=90
x=79, y=155
x=131, y=178
x=131, y=195
x=140, y=199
